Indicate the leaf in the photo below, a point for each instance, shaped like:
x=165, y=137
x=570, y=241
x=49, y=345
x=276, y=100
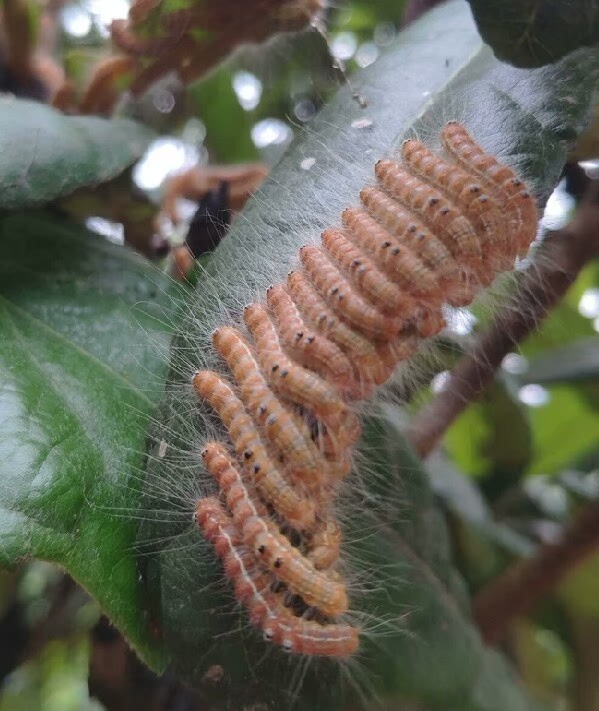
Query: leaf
x=580, y=590
x=80, y=371
x=428, y=649
x=55, y=679
x=483, y=546
x=44, y=154
x=572, y=363
x=563, y=430
x=531, y=33
x=492, y=438
x=543, y=660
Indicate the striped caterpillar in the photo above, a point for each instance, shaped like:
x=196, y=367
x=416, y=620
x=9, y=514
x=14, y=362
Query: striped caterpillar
x=433, y=231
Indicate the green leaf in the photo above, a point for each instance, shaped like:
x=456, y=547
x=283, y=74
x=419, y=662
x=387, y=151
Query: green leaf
x=563, y=430
x=544, y=660
x=72, y=380
x=572, y=363
x=492, y=438
x=483, y=545
x=44, y=154
x=55, y=680
x=580, y=590
x=80, y=371
x=429, y=650
x=531, y=33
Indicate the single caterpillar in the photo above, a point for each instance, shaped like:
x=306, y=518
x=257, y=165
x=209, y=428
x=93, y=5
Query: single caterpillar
x=431, y=232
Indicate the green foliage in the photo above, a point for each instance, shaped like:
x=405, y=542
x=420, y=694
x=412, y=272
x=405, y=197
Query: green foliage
x=44, y=154
x=55, y=681
x=81, y=370
x=82, y=340
x=531, y=33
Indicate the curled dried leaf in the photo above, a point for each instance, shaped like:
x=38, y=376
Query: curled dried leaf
x=191, y=40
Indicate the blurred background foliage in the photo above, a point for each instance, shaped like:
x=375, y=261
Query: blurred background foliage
x=515, y=466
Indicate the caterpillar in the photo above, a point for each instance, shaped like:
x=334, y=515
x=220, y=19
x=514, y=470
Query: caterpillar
x=251, y=449
x=433, y=231
x=266, y=608
x=286, y=432
x=273, y=550
x=308, y=347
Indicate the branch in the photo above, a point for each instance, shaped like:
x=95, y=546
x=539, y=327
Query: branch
x=561, y=257
x=523, y=584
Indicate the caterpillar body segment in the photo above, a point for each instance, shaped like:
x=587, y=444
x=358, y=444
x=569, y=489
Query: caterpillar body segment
x=296, y=383
x=365, y=275
x=398, y=261
x=345, y=301
x=355, y=345
x=285, y=431
x=307, y=346
x=431, y=232
x=299, y=384
x=440, y=214
x=510, y=191
x=272, y=549
x=266, y=608
x=325, y=545
x=475, y=201
x=289, y=565
x=299, y=636
x=412, y=232
x=389, y=298
x=273, y=486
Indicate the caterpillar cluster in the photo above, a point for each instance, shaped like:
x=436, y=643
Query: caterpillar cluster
x=433, y=231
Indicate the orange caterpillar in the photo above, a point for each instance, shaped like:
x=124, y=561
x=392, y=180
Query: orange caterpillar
x=273, y=550
x=253, y=589
x=251, y=450
x=433, y=231
x=286, y=432
x=308, y=347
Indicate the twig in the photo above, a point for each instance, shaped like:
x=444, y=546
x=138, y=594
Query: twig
x=523, y=584
x=561, y=257
x=19, y=40
x=584, y=642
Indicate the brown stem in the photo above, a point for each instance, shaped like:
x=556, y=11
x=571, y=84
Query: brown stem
x=19, y=39
x=560, y=259
x=523, y=584
x=584, y=630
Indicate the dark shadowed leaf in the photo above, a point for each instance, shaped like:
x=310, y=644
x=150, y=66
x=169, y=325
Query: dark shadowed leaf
x=531, y=33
